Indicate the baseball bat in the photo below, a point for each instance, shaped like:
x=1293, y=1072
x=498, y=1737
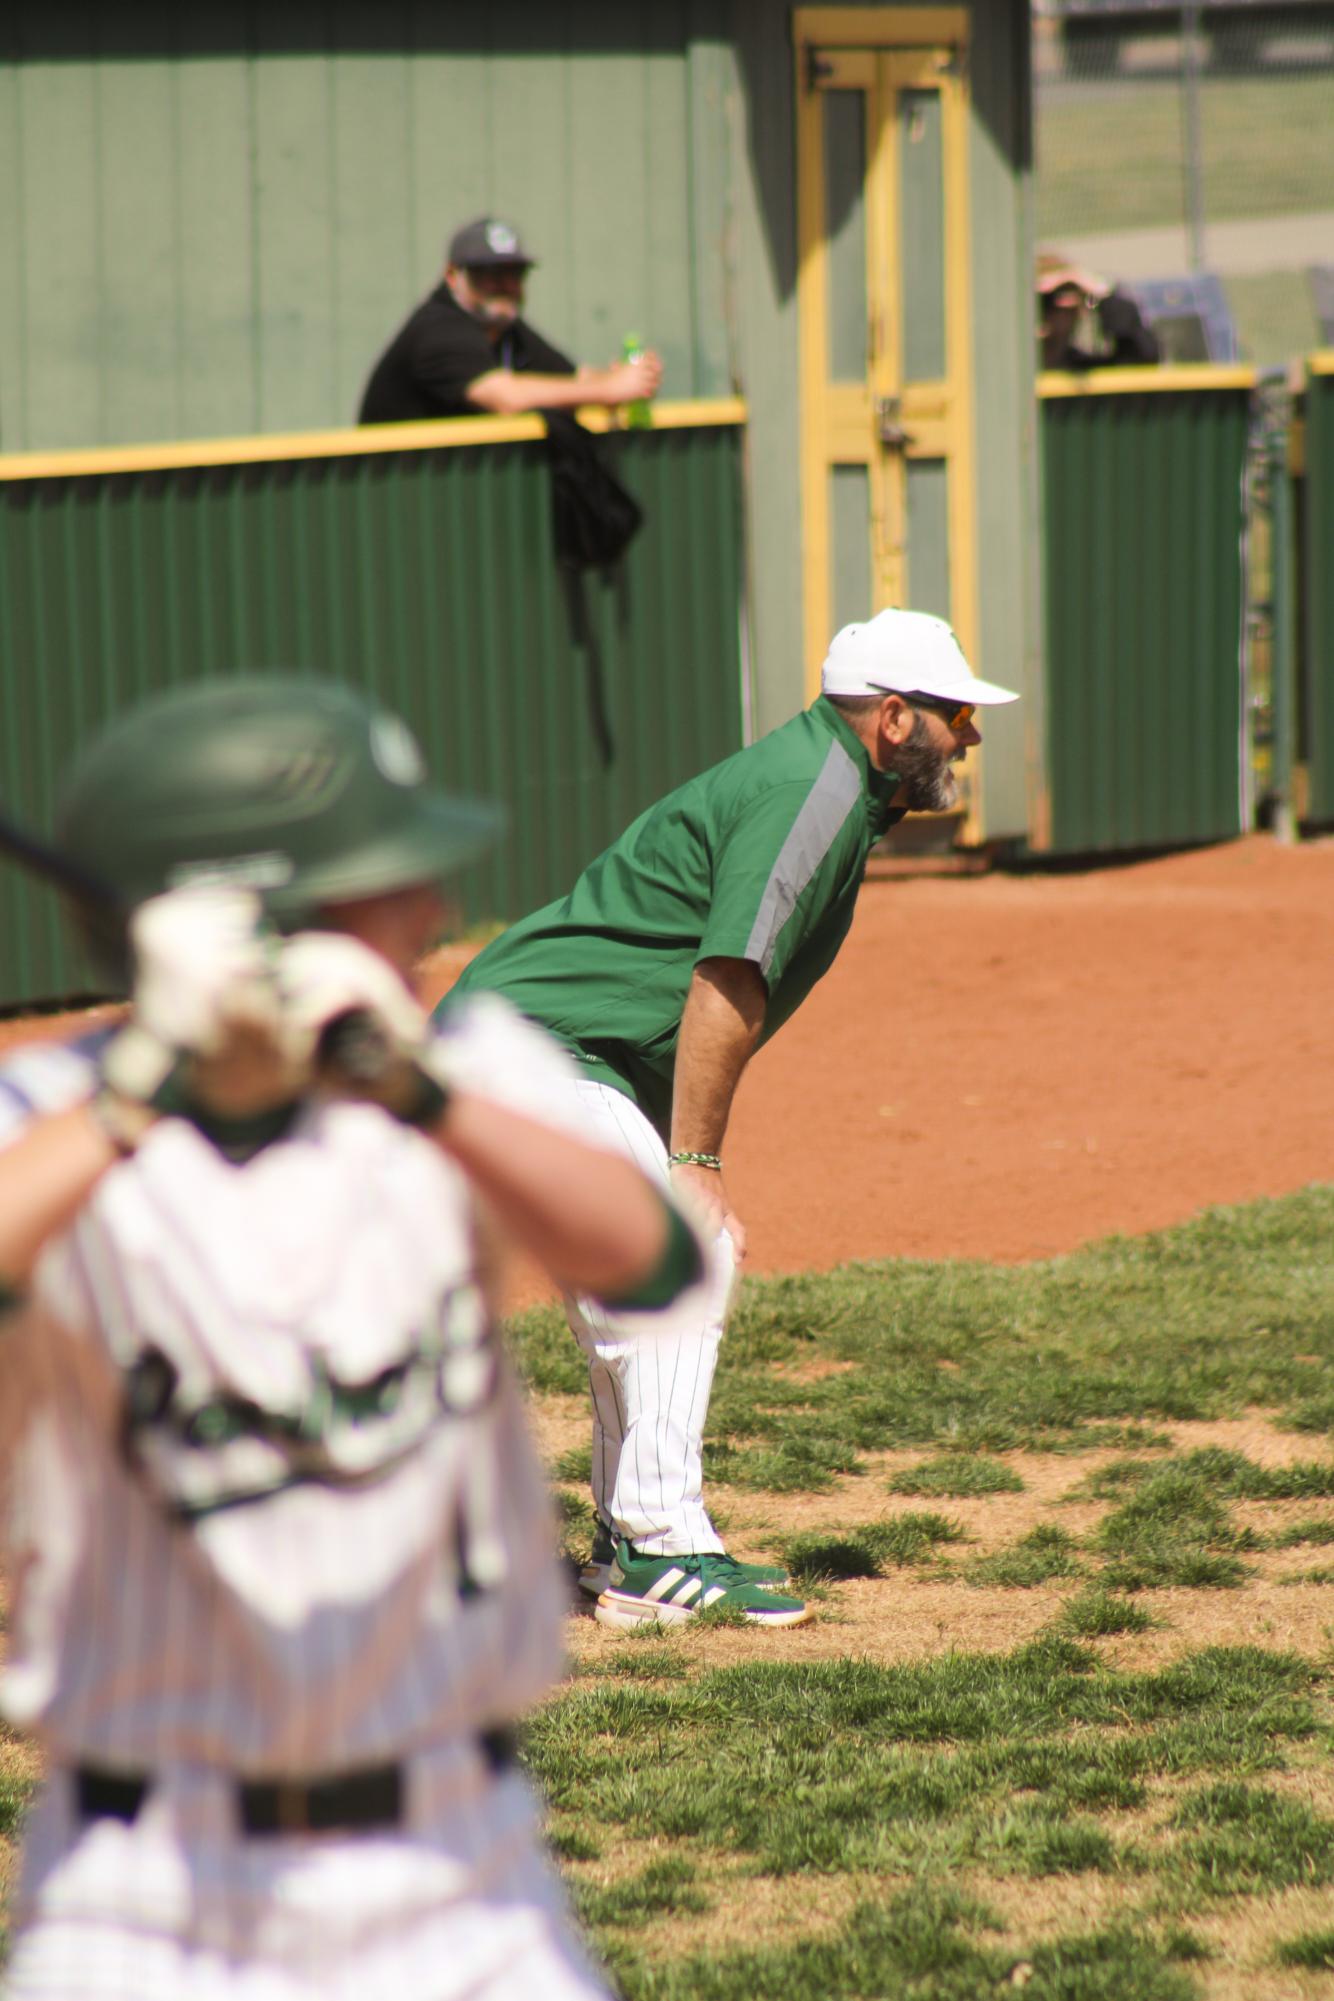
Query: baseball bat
x=48, y=862
x=352, y=1046
x=100, y=903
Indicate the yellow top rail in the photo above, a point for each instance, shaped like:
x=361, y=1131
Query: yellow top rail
x=361, y=442
x=1321, y=362
x=1136, y=381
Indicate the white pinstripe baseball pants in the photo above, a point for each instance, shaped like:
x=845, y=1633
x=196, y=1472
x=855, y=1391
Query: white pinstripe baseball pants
x=459, y=1905
x=650, y=1390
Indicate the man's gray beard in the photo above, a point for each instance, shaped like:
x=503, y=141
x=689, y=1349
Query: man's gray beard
x=927, y=784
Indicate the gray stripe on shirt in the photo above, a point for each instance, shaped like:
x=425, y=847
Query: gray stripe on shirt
x=827, y=805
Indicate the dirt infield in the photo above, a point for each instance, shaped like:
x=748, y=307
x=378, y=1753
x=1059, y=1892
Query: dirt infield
x=1006, y=1066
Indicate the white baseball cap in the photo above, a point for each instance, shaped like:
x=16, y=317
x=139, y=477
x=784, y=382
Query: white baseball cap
x=905, y=653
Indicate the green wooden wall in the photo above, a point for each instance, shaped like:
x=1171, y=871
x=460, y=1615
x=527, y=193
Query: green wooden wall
x=214, y=215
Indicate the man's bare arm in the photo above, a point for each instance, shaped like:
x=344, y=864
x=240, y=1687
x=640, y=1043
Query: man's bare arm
x=504, y=393
x=46, y=1176
x=720, y=1027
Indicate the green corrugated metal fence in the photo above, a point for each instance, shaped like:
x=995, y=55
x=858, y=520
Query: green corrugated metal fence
x=1316, y=728
x=424, y=575
x=1143, y=598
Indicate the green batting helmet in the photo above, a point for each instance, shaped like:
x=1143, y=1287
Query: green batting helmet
x=298, y=788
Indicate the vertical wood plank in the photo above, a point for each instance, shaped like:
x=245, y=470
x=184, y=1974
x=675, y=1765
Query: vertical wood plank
x=219, y=370
x=295, y=221
x=59, y=176
x=13, y=249
x=139, y=225
x=371, y=169
x=715, y=332
x=530, y=109
x=665, y=311
x=607, y=187
x=451, y=120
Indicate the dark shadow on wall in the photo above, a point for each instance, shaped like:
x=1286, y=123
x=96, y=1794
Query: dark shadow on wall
x=70, y=30
x=999, y=69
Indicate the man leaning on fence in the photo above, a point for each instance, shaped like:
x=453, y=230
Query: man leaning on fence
x=467, y=351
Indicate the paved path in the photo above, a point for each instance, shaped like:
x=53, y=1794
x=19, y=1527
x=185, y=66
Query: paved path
x=1232, y=249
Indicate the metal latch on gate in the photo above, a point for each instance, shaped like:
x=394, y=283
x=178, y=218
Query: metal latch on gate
x=818, y=67
x=888, y=413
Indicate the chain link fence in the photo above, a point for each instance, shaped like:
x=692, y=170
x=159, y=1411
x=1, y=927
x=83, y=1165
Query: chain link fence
x=1186, y=152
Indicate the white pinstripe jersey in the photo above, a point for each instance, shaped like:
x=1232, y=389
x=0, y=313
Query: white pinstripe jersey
x=279, y=1511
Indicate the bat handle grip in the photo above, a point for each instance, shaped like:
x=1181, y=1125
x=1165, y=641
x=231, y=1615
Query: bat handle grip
x=355, y=1048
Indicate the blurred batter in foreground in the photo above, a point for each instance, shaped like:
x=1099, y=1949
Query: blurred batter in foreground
x=282, y=1568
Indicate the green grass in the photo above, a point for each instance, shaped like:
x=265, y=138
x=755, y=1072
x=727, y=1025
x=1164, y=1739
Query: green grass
x=1112, y=158
x=1320, y=1529
x=576, y=1465
x=864, y=1552
x=1229, y=1474
x=1275, y=316
x=920, y=1946
x=665, y=1885
x=683, y=1769
x=1003, y=1764
x=1097, y=1613
x=1312, y=1950
x=957, y=1475
x=1172, y=1531
x=1045, y=1552
x=1242, y=1838
x=15, y=1792
x=838, y=1764
x=1058, y=1355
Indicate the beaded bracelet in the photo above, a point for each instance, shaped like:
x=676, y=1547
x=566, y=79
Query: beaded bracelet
x=695, y=1160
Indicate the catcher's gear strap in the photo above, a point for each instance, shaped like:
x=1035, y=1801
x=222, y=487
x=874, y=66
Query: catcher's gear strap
x=681, y=1265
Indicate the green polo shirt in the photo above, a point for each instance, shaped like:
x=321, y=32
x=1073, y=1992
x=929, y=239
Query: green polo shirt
x=759, y=858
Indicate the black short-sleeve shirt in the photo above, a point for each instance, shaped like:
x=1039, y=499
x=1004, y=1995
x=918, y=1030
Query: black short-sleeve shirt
x=426, y=369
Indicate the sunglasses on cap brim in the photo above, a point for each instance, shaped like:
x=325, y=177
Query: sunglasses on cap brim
x=957, y=715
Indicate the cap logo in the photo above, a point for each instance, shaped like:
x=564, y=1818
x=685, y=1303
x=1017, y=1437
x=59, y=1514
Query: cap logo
x=303, y=772
x=262, y=871
x=396, y=751
x=501, y=238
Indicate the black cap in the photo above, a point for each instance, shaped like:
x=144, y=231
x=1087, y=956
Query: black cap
x=487, y=241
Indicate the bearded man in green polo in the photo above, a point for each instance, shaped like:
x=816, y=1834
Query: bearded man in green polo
x=677, y=953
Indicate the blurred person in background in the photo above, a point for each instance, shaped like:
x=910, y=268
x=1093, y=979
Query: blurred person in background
x=1068, y=296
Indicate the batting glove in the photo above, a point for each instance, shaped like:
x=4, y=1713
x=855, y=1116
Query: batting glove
x=203, y=974
x=347, y=1014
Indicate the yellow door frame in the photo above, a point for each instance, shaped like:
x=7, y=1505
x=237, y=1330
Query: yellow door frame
x=882, y=50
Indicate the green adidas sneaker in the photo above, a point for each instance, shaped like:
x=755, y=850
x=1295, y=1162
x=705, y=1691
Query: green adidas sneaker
x=671, y=1589
x=595, y=1575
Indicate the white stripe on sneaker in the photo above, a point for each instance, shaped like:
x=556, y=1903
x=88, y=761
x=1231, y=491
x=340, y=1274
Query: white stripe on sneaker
x=663, y=1585
x=712, y=1595
x=690, y=1589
